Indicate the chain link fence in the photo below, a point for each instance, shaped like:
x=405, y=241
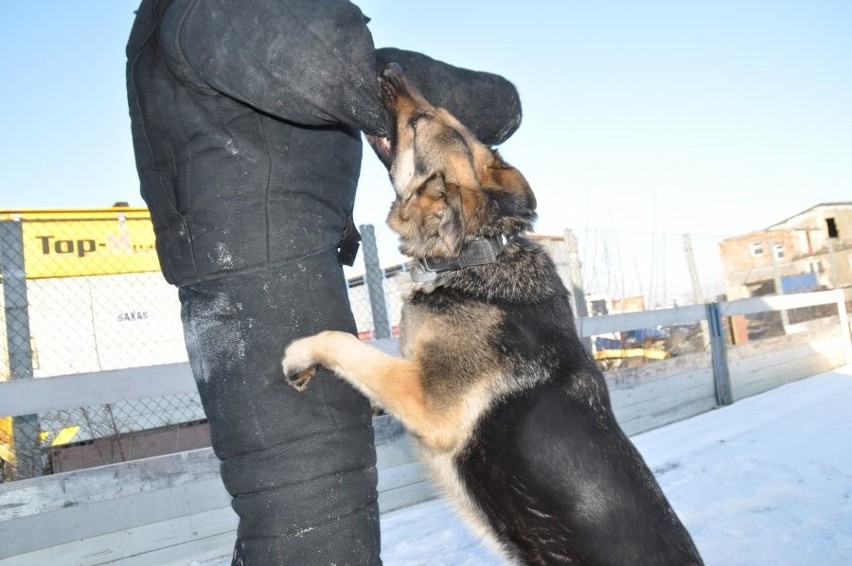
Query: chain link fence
x=377, y=295
x=82, y=292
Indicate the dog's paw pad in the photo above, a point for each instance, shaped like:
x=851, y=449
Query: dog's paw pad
x=298, y=380
x=298, y=364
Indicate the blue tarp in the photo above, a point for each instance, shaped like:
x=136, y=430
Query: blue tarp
x=799, y=283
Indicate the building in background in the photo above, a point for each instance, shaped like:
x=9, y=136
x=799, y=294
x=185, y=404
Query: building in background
x=95, y=297
x=809, y=251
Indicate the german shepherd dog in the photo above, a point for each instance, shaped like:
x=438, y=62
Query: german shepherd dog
x=511, y=413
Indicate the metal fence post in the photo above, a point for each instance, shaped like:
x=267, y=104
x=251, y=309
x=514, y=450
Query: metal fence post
x=25, y=428
x=845, y=334
x=697, y=292
x=374, y=277
x=574, y=282
x=719, y=356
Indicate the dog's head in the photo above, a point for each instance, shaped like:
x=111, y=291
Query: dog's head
x=449, y=186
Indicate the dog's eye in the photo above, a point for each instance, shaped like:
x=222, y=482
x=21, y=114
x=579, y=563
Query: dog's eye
x=421, y=188
x=419, y=115
x=432, y=188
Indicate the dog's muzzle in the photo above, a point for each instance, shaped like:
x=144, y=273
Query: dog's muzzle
x=382, y=146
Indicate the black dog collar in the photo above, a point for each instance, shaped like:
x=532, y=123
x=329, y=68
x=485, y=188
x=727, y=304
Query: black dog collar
x=480, y=251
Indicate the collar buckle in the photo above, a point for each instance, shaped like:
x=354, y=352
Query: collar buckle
x=480, y=251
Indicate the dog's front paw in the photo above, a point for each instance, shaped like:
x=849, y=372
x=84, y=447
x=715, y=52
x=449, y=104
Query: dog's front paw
x=299, y=380
x=298, y=364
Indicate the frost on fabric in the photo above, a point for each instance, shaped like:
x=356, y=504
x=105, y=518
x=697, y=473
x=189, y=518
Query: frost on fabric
x=215, y=336
x=223, y=256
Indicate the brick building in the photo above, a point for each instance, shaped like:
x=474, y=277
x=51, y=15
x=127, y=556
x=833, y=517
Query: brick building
x=809, y=251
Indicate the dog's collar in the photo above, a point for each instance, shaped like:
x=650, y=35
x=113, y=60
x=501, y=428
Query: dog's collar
x=480, y=251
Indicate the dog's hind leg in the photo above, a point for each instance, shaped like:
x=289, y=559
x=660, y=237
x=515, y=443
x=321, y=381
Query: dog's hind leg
x=393, y=383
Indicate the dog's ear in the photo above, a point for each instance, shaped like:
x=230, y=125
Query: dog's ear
x=503, y=177
x=451, y=226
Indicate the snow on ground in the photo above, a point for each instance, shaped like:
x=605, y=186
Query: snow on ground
x=767, y=480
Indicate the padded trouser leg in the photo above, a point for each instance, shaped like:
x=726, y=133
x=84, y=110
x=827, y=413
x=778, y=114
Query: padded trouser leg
x=300, y=466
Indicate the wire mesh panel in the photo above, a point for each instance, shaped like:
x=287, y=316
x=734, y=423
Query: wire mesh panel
x=19, y=445
x=117, y=432
x=359, y=301
x=83, y=292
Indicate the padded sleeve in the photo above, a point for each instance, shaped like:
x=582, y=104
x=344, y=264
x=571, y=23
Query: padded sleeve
x=310, y=62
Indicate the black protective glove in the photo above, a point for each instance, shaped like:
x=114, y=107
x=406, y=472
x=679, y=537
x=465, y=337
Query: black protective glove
x=486, y=103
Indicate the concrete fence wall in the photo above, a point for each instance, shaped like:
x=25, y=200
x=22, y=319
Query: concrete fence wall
x=169, y=509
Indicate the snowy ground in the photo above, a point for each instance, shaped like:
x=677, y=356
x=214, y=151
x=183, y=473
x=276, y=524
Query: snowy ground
x=767, y=480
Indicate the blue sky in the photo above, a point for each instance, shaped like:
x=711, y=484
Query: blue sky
x=653, y=118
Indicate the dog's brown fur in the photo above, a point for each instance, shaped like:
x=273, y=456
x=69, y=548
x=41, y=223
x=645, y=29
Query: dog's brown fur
x=512, y=414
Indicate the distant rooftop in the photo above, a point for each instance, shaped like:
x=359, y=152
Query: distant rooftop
x=816, y=206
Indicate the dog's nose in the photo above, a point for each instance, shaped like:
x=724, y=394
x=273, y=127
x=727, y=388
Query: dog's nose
x=393, y=76
x=392, y=71
x=393, y=83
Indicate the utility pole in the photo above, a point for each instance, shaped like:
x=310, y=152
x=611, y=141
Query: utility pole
x=832, y=264
x=779, y=288
x=697, y=293
x=374, y=277
x=29, y=461
x=575, y=283
x=833, y=234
